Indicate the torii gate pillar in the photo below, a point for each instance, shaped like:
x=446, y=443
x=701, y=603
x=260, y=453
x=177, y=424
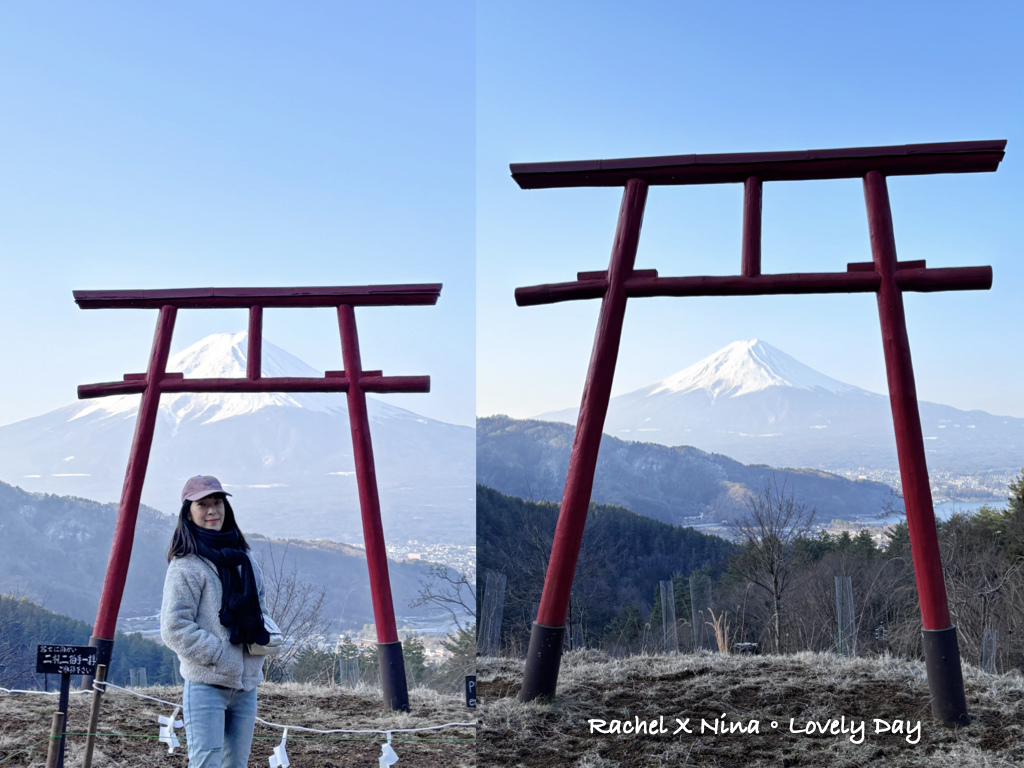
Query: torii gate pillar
x=545, y=652
x=941, y=652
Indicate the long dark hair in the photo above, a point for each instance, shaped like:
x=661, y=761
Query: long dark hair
x=183, y=541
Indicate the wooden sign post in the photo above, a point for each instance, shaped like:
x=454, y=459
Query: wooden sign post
x=353, y=380
x=63, y=660
x=884, y=276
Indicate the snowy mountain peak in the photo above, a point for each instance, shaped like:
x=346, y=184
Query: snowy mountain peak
x=223, y=355
x=744, y=367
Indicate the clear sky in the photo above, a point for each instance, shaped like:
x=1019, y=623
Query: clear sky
x=330, y=143
x=188, y=144
x=586, y=80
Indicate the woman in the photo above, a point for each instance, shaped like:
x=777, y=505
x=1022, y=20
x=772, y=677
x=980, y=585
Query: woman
x=211, y=610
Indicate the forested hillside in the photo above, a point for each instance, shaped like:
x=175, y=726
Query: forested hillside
x=24, y=625
x=776, y=587
x=624, y=556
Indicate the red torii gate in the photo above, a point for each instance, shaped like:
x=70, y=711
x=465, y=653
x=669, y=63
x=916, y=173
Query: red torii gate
x=353, y=380
x=884, y=275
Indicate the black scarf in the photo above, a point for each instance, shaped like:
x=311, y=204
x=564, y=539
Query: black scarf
x=240, y=602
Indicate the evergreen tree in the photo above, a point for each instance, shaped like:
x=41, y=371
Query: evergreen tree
x=313, y=665
x=414, y=655
x=461, y=644
x=626, y=628
x=349, y=661
x=1014, y=519
x=24, y=625
x=863, y=546
x=1016, y=498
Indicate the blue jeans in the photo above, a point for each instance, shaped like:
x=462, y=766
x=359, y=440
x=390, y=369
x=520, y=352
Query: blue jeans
x=218, y=725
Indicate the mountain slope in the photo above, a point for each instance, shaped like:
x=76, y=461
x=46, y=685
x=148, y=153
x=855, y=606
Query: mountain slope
x=622, y=558
x=25, y=625
x=287, y=458
x=757, y=404
x=54, y=550
x=679, y=485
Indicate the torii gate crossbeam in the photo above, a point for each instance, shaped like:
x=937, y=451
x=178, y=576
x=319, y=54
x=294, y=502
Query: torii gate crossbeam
x=884, y=276
x=353, y=380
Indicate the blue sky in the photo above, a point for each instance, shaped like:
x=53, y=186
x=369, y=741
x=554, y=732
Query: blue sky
x=178, y=145
x=149, y=145
x=571, y=81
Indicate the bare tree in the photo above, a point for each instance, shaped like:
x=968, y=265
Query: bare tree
x=525, y=560
x=17, y=655
x=295, y=604
x=449, y=590
x=979, y=575
x=16, y=663
x=768, y=531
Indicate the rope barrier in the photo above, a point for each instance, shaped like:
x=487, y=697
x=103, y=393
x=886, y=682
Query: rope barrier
x=382, y=732
x=96, y=685
x=41, y=693
x=76, y=734
x=279, y=758
x=71, y=734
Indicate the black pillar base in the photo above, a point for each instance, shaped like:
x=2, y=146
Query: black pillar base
x=104, y=650
x=945, y=678
x=392, y=676
x=542, y=662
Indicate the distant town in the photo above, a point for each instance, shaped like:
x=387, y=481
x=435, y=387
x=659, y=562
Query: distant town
x=949, y=489
x=984, y=485
x=457, y=556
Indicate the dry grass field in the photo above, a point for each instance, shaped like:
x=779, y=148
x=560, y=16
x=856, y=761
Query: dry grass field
x=803, y=688
x=129, y=727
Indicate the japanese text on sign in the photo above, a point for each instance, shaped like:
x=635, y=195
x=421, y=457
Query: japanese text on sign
x=66, y=659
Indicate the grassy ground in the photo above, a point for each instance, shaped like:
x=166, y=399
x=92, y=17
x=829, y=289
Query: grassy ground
x=805, y=687
x=129, y=727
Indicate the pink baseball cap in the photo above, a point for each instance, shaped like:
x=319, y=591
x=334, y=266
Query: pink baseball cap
x=201, y=486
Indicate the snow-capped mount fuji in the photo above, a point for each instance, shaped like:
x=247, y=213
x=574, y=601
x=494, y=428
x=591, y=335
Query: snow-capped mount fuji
x=756, y=404
x=286, y=457
x=223, y=356
x=745, y=367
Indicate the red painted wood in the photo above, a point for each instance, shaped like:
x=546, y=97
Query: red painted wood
x=131, y=492
x=848, y=163
x=854, y=281
x=921, y=280
x=554, y=602
x=869, y=266
x=142, y=376
x=906, y=419
x=366, y=478
x=762, y=285
x=603, y=274
x=555, y=292
x=944, y=279
x=750, y=260
x=254, y=356
x=362, y=377
x=369, y=383
x=244, y=298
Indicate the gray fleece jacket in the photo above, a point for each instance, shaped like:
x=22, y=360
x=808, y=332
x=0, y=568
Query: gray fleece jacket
x=190, y=626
